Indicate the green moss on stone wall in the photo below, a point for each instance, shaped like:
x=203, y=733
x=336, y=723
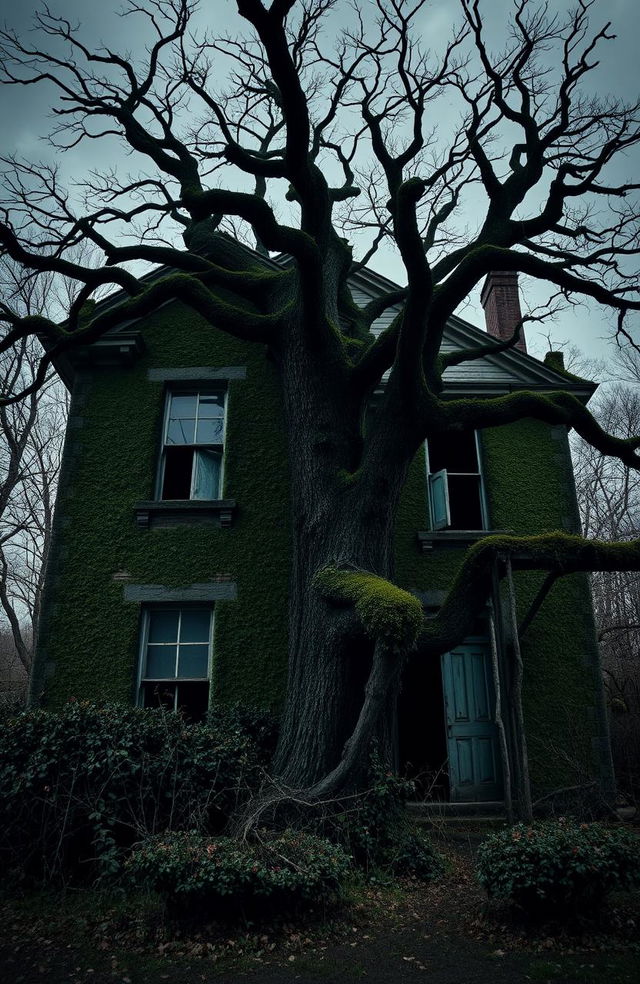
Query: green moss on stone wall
x=529, y=480
x=559, y=683
x=90, y=635
x=90, y=639
x=535, y=493
x=529, y=488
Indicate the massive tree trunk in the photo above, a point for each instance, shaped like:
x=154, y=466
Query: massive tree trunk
x=330, y=655
x=340, y=520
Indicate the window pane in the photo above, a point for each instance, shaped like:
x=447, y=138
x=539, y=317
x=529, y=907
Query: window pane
x=194, y=661
x=161, y=662
x=210, y=431
x=211, y=405
x=163, y=626
x=181, y=431
x=195, y=626
x=178, y=465
x=207, y=477
x=159, y=695
x=183, y=405
x=193, y=700
x=455, y=452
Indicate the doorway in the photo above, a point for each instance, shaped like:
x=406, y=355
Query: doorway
x=475, y=773
x=448, y=740
x=422, y=729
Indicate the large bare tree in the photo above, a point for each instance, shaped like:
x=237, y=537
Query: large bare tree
x=348, y=131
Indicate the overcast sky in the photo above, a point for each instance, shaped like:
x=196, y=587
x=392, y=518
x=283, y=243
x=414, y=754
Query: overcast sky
x=24, y=112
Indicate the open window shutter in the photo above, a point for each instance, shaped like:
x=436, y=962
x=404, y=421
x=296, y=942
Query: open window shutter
x=439, y=495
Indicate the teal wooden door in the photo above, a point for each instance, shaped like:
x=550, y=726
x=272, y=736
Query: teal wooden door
x=472, y=736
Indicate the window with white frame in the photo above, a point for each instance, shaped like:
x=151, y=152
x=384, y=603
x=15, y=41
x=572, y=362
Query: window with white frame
x=192, y=445
x=456, y=495
x=175, y=660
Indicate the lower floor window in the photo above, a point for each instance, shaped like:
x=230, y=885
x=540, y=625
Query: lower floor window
x=176, y=660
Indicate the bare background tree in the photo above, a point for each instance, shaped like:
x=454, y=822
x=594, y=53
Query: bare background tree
x=609, y=500
x=31, y=436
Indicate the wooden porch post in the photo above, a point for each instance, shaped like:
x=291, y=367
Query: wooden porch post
x=524, y=791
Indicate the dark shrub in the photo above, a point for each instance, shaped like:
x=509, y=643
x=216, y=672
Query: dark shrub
x=80, y=785
x=219, y=876
x=258, y=724
x=414, y=856
x=558, y=868
x=375, y=829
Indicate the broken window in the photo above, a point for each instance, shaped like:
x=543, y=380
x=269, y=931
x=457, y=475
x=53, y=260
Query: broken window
x=456, y=499
x=193, y=441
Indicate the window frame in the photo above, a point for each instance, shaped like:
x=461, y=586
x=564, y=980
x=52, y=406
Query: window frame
x=443, y=475
x=197, y=390
x=145, y=623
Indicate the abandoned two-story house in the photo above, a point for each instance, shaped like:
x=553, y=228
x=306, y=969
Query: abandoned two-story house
x=167, y=578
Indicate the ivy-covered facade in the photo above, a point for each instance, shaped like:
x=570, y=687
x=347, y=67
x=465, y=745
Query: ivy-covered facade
x=167, y=580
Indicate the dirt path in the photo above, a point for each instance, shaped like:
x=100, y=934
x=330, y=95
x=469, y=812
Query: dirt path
x=402, y=955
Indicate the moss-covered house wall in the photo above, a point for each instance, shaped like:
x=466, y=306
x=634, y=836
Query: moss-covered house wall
x=90, y=627
x=89, y=636
x=529, y=486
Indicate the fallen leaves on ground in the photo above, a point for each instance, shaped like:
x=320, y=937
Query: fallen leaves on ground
x=46, y=932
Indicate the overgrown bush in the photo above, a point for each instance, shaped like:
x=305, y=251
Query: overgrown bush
x=221, y=876
x=558, y=868
x=377, y=832
x=414, y=856
x=80, y=786
x=258, y=724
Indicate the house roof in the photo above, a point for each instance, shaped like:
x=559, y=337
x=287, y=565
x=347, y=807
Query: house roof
x=492, y=374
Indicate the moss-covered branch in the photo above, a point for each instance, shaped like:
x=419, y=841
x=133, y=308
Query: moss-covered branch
x=248, y=282
x=552, y=408
x=387, y=613
x=276, y=237
x=559, y=553
x=240, y=322
x=458, y=356
x=376, y=359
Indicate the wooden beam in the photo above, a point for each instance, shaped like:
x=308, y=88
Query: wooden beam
x=537, y=602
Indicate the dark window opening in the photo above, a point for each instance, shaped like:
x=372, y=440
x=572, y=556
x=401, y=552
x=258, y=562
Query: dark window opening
x=455, y=452
x=464, y=502
x=190, y=699
x=455, y=482
x=178, y=468
x=176, y=660
x=192, y=446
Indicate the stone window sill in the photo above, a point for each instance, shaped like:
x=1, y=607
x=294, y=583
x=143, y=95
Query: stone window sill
x=436, y=539
x=163, y=513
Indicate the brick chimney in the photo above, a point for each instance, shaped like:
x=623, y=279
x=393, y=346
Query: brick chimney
x=501, y=302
